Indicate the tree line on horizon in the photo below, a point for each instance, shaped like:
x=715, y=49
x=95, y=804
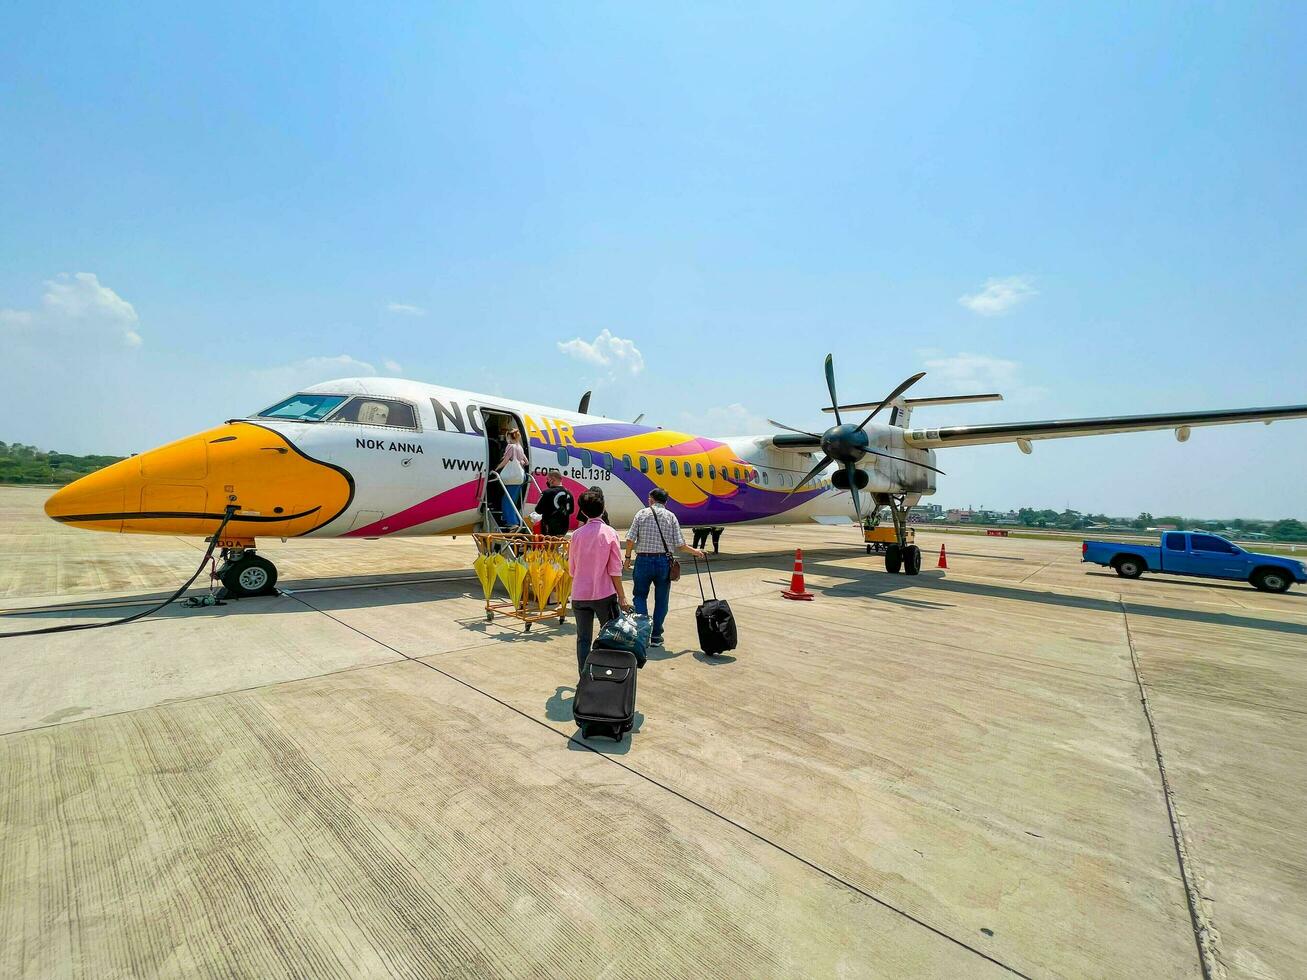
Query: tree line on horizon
x=27, y=464
x=1286, y=529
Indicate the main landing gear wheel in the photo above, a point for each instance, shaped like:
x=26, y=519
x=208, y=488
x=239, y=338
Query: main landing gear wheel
x=893, y=558
x=249, y=575
x=911, y=560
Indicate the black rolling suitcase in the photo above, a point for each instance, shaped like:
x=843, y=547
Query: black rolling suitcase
x=605, y=694
x=714, y=618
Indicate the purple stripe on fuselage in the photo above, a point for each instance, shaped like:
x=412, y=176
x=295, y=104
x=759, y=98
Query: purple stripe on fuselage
x=606, y=431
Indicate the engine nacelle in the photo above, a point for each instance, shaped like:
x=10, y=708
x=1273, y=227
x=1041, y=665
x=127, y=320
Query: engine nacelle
x=840, y=479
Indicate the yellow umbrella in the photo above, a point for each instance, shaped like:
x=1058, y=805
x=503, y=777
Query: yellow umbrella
x=513, y=573
x=544, y=576
x=485, y=566
x=564, y=587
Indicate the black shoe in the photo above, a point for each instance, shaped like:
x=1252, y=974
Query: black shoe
x=656, y=641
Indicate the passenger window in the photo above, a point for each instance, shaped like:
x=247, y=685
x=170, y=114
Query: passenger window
x=675, y=471
x=737, y=472
x=658, y=465
x=587, y=459
x=712, y=471
x=1175, y=542
x=766, y=480
x=377, y=411
x=644, y=464
x=608, y=462
x=563, y=457
x=626, y=463
x=1211, y=543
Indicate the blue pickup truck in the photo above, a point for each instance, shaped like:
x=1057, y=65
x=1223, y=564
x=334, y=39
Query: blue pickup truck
x=1193, y=553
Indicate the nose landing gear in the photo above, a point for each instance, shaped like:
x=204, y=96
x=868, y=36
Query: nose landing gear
x=244, y=574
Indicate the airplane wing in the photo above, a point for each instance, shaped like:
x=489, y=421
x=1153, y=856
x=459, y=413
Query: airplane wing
x=1024, y=432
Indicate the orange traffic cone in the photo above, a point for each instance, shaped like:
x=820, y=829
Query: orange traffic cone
x=943, y=558
x=797, y=589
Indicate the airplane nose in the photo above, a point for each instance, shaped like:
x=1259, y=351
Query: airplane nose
x=186, y=486
x=96, y=501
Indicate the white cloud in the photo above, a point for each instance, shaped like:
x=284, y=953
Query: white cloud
x=394, y=367
x=286, y=378
x=606, y=351
x=725, y=420
x=974, y=374
x=77, y=306
x=405, y=309
x=998, y=296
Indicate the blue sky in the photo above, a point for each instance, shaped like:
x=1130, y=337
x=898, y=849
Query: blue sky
x=257, y=199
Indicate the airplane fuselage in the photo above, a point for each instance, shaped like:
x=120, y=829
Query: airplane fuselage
x=426, y=475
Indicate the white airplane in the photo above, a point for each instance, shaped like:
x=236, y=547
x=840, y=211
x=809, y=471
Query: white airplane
x=376, y=457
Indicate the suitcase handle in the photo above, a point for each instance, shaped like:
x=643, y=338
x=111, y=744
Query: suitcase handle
x=699, y=578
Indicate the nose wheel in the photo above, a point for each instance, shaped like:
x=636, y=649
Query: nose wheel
x=246, y=574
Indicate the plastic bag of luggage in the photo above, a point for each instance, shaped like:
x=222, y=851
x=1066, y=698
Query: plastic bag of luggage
x=605, y=694
x=714, y=618
x=630, y=632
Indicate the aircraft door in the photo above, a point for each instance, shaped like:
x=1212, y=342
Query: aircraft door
x=497, y=425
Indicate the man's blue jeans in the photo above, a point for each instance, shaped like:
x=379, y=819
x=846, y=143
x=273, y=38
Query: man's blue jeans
x=655, y=570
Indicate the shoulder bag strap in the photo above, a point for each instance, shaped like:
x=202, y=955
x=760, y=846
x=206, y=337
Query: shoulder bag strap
x=659, y=525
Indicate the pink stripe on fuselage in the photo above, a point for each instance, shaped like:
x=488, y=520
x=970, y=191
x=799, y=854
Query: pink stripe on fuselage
x=461, y=498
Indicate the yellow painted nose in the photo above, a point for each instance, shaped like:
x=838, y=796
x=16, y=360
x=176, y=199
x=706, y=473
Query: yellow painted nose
x=186, y=486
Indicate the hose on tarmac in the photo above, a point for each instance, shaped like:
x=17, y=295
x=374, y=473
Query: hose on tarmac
x=213, y=543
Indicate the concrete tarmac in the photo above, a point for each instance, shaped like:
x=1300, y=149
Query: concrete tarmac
x=1021, y=765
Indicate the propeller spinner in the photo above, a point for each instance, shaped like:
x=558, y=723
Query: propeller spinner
x=847, y=444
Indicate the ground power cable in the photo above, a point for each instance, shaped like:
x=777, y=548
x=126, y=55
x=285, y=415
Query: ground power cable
x=832, y=876
x=72, y=627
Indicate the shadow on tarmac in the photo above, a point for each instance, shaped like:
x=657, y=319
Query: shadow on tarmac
x=880, y=585
x=850, y=581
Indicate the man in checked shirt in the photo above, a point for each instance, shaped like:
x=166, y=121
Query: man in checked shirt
x=653, y=534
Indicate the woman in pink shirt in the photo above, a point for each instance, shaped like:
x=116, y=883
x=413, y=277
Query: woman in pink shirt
x=595, y=562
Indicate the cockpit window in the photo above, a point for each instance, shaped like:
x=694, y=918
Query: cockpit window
x=366, y=410
x=302, y=407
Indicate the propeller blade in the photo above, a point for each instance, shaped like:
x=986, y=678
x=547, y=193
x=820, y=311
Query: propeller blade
x=584, y=407
x=830, y=384
x=852, y=472
x=891, y=396
x=790, y=428
x=825, y=461
x=910, y=462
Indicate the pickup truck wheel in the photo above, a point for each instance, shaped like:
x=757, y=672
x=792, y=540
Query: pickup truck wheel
x=1270, y=580
x=1129, y=566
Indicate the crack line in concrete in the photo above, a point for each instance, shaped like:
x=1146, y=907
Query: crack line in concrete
x=1204, y=933
x=682, y=796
